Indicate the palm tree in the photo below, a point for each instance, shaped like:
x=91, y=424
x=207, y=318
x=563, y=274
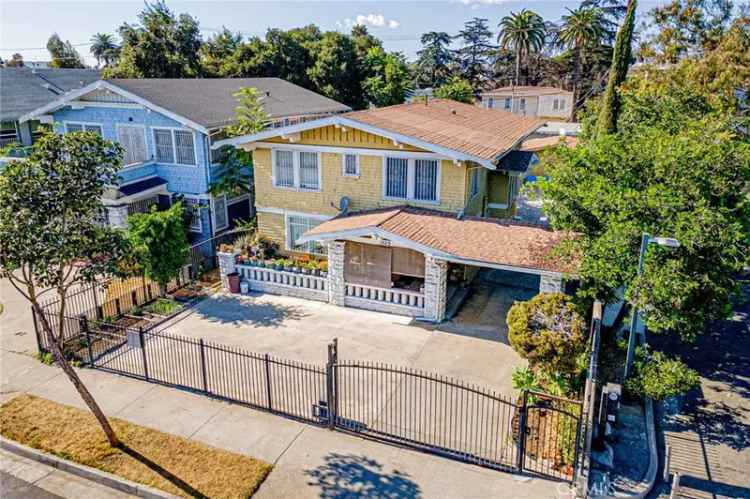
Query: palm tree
x=103, y=48
x=524, y=33
x=580, y=30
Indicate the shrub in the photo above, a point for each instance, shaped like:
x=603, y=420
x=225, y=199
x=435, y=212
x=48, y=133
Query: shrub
x=549, y=332
x=657, y=376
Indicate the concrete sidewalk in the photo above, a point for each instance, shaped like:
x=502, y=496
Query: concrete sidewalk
x=309, y=461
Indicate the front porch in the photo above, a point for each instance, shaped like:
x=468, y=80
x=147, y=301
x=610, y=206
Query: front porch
x=407, y=262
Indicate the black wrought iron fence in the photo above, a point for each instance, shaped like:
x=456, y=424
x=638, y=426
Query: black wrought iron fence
x=535, y=433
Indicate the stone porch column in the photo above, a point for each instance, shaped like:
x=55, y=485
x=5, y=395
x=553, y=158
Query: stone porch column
x=227, y=265
x=336, y=284
x=435, y=288
x=550, y=284
x=118, y=216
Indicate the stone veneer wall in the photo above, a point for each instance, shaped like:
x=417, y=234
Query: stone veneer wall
x=435, y=288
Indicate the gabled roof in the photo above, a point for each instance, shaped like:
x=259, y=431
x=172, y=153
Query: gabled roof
x=24, y=89
x=207, y=103
x=470, y=240
x=527, y=91
x=459, y=131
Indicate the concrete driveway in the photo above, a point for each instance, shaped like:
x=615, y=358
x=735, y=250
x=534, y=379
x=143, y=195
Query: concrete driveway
x=299, y=329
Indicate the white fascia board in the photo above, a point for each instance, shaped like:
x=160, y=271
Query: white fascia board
x=346, y=122
x=67, y=99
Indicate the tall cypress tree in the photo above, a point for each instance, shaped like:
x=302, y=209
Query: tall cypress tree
x=607, y=122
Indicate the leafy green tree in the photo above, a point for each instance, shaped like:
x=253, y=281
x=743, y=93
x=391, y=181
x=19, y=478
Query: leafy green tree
x=549, y=332
x=215, y=52
x=524, y=32
x=473, y=56
x=335, y=72
x=683, y=26
x=659, y=174
x=50, y=238
x=659, y=377
x=389, y=79
x=104, y=49
x=581, y=30
x=160, y=243
x=63, y=54
x=162, y=45
x=251, y=117
x=620, y=62
x=434, y=60
x=456, y=88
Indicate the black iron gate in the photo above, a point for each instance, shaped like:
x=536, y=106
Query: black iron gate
x=537, y=433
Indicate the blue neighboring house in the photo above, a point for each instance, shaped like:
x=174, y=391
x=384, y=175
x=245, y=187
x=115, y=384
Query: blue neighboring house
x=167, y=127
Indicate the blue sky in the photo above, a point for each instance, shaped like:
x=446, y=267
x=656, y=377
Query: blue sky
x=26, y=25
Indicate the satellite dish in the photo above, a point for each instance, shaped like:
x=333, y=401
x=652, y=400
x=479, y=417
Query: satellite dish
x=344, y=204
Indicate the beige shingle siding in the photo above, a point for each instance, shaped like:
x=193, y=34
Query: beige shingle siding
x=272, y=226
x=332, y=136
x=365, y=192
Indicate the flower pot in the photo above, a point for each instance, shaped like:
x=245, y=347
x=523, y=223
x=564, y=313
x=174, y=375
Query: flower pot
x=323, y=273
x=305, y=271
x=295, y=270
x=288, y=268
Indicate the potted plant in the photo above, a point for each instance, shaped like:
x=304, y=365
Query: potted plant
x=253, y=261
x=296, y=266
x=278, y=264
x=288, y=265
x=323, y=268
x=312, y=266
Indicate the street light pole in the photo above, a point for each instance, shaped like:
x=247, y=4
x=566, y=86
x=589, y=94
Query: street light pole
x=646, y=239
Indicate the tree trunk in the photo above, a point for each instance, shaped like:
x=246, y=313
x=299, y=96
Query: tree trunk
x=576, y=72
x=518, y=67
x=57, y=353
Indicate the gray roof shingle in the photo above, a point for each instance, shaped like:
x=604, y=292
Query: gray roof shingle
x=211, y=102
x=23, y=90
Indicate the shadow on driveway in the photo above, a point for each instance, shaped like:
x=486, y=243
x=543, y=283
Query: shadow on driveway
x=346, y=476
x=250, y=310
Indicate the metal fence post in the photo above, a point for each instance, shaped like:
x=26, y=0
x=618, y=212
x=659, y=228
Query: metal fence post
x=331, y=387
x=142, y=338
x=268, y=381
x=83, y=325
x=36, y=331
x=203, y=365
x=521, y=452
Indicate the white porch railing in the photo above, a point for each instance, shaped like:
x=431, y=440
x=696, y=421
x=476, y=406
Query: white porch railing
x=392, y=296
x=283, y=278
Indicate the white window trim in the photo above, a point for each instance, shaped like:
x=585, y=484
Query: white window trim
x=296, y=166
x=83, y=124
x=213, y=213
x=411, y=180
x=474, y=174
x=197, y=230
x=172, y=130
x=288, y=232
x=343, y=165
x=237, y=199
x=147, y=159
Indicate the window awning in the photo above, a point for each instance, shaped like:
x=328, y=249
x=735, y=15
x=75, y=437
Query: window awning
x=483, y=242
x=142, y=186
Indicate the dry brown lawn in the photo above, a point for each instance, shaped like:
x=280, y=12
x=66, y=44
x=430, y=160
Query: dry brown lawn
x=170, y=463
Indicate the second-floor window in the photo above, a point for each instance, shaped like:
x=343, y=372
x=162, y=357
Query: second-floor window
x=296, y=170
x=351, y=165
x=411, y=179
x=133, y=140
x=522, y=104
x=174, y=146
x=83, y=127
x=491, y=102
x=507, y=103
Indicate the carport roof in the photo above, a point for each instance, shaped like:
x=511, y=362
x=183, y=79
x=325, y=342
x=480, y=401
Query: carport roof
x=476, y=241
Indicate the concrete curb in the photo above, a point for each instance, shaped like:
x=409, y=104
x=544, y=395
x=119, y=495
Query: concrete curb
x=97, y=476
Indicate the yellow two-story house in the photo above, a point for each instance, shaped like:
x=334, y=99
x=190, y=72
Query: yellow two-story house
x=399, y=199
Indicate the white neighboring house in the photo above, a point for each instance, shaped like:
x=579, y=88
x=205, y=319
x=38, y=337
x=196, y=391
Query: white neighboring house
x=542, y=102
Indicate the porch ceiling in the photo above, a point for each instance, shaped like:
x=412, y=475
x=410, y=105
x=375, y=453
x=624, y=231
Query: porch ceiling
x=484, y=242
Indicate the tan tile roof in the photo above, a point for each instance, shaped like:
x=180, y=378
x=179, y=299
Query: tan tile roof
x=541, y=143
x=528, y=91
x=486, y=240
x=484, y=133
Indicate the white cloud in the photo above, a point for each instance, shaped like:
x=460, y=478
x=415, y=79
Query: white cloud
x=372, y=20
x=476, y=3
